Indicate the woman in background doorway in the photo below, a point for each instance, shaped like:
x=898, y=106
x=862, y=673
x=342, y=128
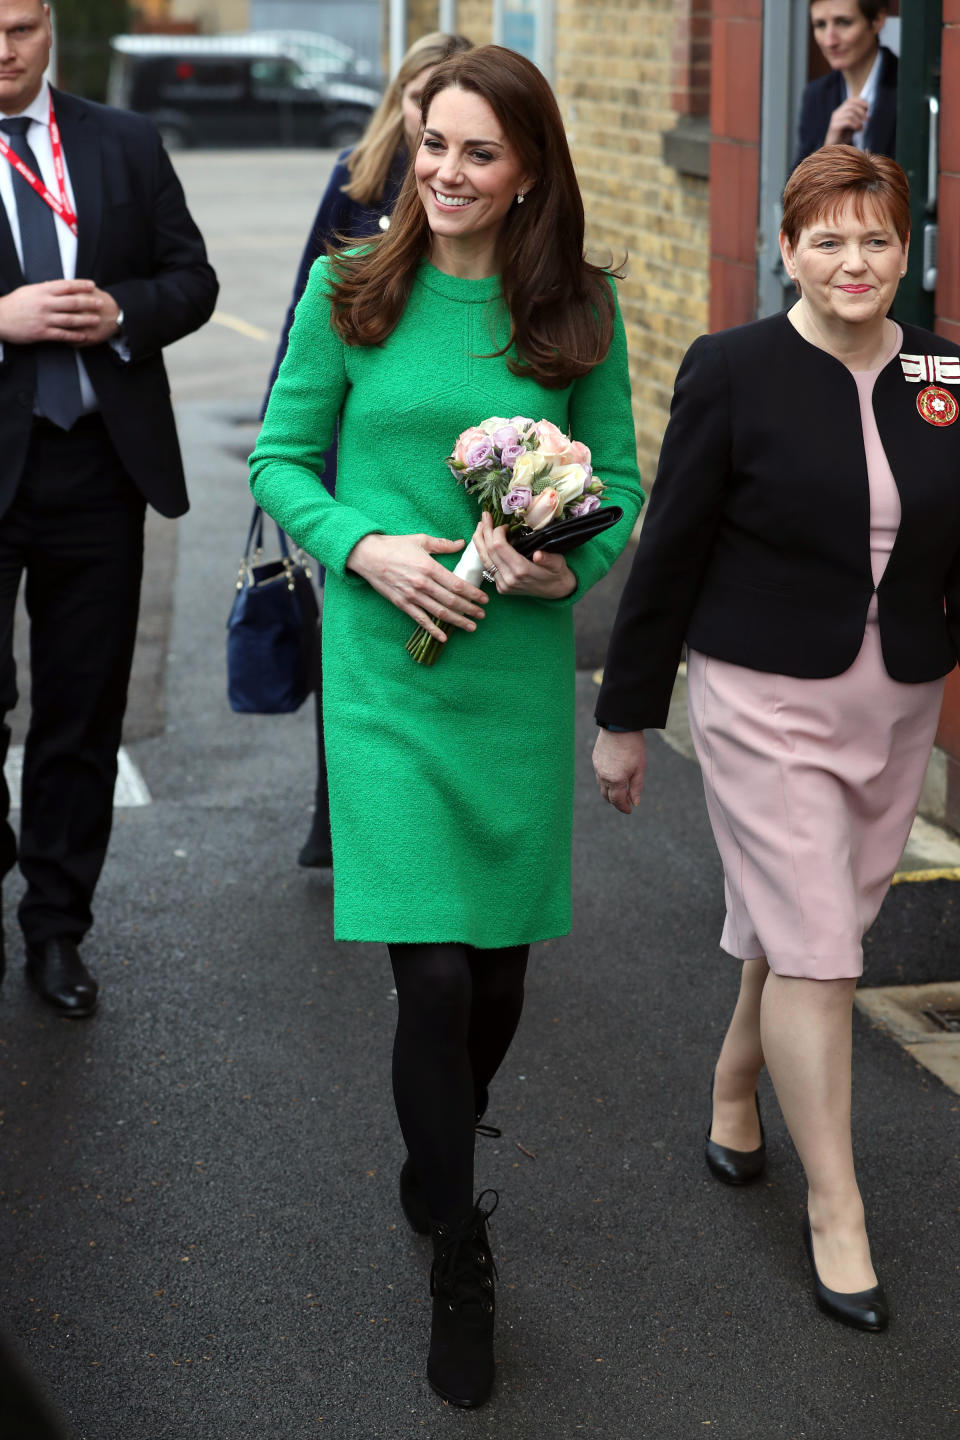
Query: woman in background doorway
x=856, y=103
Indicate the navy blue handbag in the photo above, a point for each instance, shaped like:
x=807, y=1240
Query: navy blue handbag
x=272, y=657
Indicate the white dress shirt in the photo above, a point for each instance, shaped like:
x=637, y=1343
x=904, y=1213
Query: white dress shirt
x=38, y=138
x=868, y=93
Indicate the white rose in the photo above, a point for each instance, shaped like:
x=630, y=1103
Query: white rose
x=489, y=427
x=568, y=481
x=527, y=467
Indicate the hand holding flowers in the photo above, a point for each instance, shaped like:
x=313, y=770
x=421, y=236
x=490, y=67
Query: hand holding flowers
x=401, y=569
x=526, y=475
x=544, y=576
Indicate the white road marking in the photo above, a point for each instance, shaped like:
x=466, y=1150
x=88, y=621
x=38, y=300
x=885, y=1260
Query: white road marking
x=242, y=327
x=131, y=788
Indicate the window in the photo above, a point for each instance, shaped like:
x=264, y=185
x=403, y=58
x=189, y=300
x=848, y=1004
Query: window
x=526, y=26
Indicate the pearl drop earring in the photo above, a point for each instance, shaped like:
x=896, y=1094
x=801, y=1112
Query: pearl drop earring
x=520, y=196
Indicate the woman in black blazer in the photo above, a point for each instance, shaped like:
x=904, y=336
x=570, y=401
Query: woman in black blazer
x=803, y=539
x=856, y=103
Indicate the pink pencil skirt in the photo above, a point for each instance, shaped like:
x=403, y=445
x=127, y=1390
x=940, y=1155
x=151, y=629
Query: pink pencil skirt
x=811, y=788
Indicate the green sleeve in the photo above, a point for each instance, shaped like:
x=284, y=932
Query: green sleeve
x=601, y=416
x=299, y=425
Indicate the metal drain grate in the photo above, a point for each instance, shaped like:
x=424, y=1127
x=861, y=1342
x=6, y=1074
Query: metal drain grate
x=943, y=1018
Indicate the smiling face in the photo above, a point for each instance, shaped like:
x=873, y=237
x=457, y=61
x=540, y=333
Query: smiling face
x=468, y=173
x=848, y=267
x=844, y=35
x=25, y=41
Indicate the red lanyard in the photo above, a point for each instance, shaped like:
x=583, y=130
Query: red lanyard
x=60, y=206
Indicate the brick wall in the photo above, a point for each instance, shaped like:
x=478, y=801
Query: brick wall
x=474, y=19
x=616, y=80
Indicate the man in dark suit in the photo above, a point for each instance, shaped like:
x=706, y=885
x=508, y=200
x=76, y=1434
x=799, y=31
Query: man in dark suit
x=101, y=266
x=856, y=103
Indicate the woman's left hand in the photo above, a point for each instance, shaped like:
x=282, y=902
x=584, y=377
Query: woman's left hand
x=544, y=576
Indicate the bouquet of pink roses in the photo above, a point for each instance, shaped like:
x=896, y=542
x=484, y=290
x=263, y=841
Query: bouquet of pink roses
x=530, y=477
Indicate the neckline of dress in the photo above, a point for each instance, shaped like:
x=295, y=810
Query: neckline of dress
x=455, y=287
x=829, y=355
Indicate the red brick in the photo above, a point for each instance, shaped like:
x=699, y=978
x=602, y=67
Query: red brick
x=949, y=329
x=948, y=259
x=733, y=294
x=950, y=101
x=951, y=12
x=734, y=197
x=735, y=83
x=949, y=733
x=738, y=9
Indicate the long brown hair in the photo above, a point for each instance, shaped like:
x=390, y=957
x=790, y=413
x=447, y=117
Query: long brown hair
x=370, y=159
x=560, y=305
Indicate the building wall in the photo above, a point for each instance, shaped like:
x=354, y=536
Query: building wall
x=213, y=16
x=620, y=87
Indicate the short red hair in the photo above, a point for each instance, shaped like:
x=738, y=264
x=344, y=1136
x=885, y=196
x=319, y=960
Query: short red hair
x=823, y=183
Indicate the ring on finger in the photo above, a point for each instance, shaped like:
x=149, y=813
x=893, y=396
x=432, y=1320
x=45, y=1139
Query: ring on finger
x=490, y=573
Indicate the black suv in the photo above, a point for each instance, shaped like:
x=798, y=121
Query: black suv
x=234, y=90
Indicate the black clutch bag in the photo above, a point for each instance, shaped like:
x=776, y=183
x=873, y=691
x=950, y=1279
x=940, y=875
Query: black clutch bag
x=272, y=661
x=566, y=535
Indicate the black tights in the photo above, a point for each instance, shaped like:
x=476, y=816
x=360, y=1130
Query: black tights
x=459, y=1008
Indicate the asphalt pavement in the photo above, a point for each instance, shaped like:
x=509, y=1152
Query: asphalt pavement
x=201, y=1235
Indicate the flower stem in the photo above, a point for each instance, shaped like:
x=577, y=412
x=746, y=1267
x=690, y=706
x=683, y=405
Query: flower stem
x=423, y=647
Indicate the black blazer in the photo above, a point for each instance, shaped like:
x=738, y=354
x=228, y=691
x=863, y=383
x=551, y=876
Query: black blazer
x=756, y=544
x=137, y=241
x=821, y=97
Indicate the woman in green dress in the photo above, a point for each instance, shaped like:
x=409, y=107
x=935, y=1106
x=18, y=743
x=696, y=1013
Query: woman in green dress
x=451, y=788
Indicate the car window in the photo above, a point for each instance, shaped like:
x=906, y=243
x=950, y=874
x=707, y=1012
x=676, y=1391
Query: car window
x=202, y=80
x=271, y=75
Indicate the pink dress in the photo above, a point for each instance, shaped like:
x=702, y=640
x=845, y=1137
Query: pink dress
x=812, y=785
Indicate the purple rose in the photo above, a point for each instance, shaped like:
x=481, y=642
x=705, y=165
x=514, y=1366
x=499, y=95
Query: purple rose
x=506, y=435
x=584, y=506
x=479, y=453
x=516, y=499
x=510, y=454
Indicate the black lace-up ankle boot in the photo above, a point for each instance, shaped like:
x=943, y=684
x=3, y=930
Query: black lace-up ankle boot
x=460, y=1365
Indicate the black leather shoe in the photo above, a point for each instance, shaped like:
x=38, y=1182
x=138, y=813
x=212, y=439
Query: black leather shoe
x=736, y=1167
x=316, y=852
x=863, y=1309
x=460, y=1365
x=56, y=972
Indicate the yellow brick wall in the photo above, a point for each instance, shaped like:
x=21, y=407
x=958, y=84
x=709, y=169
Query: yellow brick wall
x=475, y=20
x=421, y=18
x=613, y=72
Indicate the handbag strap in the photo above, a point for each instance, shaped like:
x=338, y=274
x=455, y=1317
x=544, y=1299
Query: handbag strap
x=255, y=536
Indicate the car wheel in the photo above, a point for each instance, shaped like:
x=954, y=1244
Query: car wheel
x=346, y=129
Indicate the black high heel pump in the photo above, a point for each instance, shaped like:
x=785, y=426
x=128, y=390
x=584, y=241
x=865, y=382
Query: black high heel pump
x=736, y=1167
x=863, y=1309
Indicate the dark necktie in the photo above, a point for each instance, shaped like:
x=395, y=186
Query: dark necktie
x=58, y=382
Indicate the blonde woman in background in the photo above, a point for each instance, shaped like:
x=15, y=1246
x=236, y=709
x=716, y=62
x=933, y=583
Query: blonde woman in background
x=358, y=201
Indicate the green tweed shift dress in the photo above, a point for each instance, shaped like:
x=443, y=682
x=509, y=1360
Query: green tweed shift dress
x=451, y=787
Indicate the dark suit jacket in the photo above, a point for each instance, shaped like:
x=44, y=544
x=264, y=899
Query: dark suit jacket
x=756, y=544
x=136, y=239
x=821, y=97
